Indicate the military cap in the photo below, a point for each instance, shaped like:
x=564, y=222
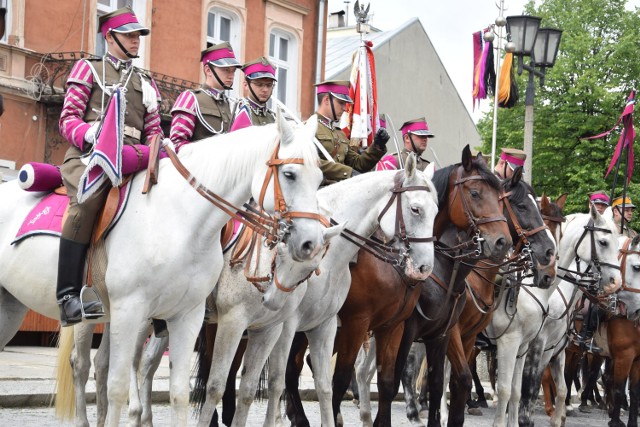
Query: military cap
x=416, y=127
x=513, y=157
x=121, y=21
x=337, y=88
x=259, y=68
x=599, y=197
x=627, y=202
x=220, y=55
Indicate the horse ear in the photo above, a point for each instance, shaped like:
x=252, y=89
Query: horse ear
x=594, y=213
x=562, y=200
x=517, y=176
x=311, y=125
x=544, y=202
x=635, y=241
x=467, y=158
x=430, y=170
x=410, y=166
x=284, y=128
x=331, y=232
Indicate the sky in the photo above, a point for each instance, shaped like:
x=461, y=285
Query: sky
x=449, y=25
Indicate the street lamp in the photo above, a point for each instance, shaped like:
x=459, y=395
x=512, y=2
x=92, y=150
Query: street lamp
x=541, y=44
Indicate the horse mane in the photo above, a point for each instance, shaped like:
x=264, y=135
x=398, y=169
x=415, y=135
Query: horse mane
x=521, y=190
x=441, y=178
x=230, y=151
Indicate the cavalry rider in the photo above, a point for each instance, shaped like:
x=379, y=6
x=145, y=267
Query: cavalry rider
x=600, y=201
x=415, y=136
x=207, y=111
x=509, y=160
x=84, y=104
x=333, y=98
x=625, y=207
x=259, y=80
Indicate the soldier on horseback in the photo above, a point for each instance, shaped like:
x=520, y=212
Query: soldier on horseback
x=415, y=135
x=333, y=97
x=599, y=200
x=207, y=111
x=88, y=86
x=259, y=80
x=510, y=159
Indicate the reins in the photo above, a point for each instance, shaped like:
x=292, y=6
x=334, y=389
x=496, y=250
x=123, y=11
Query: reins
x=622, y=256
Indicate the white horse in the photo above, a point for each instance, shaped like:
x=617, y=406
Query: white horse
x=582, y=235
x=316, y=315
x=164, y=255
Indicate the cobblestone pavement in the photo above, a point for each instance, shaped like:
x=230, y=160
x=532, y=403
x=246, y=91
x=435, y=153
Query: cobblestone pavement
x=45, y=417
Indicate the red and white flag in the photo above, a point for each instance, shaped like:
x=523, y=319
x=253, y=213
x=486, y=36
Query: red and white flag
x=363, y=120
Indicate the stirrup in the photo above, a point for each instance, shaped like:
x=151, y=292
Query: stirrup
x=95, y=315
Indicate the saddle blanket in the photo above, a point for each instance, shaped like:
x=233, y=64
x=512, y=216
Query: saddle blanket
x=46, y=217
x=232, y=238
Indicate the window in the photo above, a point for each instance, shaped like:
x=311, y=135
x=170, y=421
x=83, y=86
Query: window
x=104, y=7
x=5, y=20
x=224, y=26
x=283, y=53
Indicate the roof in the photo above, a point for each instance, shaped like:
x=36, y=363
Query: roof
x=341, y=49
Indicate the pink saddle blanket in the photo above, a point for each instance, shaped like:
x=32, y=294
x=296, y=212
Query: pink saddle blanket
x=46, y=216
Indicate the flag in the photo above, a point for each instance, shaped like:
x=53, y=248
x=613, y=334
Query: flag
x=242, y=118
x=363, y=120
x=626, y=137
x=105, y=161
x=484, y=76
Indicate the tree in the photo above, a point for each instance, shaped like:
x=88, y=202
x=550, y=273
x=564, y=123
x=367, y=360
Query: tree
x=583, y=95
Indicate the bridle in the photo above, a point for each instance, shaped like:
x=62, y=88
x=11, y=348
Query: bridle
x=275, y=228
x=589, y=279
x=383, y=250
x=622, y=256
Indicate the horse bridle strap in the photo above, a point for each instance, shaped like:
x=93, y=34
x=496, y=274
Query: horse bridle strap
x=473, y=221
x=623, y=264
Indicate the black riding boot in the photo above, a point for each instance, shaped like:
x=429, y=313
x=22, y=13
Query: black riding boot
x=70, y=280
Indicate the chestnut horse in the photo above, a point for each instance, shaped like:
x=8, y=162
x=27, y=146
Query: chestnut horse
x=481, y=301
x=468, y=200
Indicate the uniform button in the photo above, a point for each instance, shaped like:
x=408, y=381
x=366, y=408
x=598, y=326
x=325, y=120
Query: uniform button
x=126, y=113
x=344, y=173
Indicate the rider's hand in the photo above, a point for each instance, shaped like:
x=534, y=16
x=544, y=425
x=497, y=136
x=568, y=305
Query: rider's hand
x=90, y=135
x=381, y=138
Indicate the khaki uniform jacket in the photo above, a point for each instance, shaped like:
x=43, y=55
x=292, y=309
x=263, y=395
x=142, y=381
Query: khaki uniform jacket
x=216, y=112
x=345, y=157
x=421, y=163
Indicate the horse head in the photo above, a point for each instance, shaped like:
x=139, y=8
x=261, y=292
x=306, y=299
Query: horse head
x=407, y=221
x=469, y=198
x=590, y=241
x=552, y=215
x=629, y=295
x=290, y=190
x=529, y=230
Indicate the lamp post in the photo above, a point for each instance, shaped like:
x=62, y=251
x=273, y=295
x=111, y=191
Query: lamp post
x=541, y=45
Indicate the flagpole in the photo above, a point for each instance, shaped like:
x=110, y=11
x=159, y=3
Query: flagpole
x=625, y=185
x=500, y=22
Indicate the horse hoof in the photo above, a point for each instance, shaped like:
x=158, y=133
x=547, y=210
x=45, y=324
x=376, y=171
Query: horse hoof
x=424, y=413
x=483, y=403
x=584, y=409
x=475, y=411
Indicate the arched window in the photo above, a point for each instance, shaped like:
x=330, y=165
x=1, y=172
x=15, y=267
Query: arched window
x=5, y=20
x=283, y=52
x=224, y=26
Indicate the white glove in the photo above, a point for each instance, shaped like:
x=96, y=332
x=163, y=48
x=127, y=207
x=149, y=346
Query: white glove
x=168, y=144
x=90, y=136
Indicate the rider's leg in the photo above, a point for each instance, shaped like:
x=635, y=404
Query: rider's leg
x=76, y=234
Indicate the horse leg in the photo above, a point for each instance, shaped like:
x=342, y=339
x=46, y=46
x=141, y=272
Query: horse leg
x=557, y=369
x=461, y=379
x=481, y=399
x=227, y=339
x=365, y=363
x=122, y=352
x=259, y=346
x=321, y=340
x=135, y=405
x=634, y=394
x=348, y=341
x=508, y=345
x=12, y=313
x=101, y=367
x=151, y=358
x=409, y=380
x=229, y=396
x=387, y=344
x=81, y=364
x=548, y=391
x=622, y=362
x=436, y=352
x=277, y=367
x=530, y=381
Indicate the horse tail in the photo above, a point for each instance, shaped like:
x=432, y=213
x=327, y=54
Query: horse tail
x=200, y=371
x=263, y=383
x=64, y=389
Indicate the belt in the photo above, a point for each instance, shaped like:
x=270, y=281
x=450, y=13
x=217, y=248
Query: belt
x=132, y=132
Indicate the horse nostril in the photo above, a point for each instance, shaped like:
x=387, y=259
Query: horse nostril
x=307, y=247
x=550, y=254
x=501, y=243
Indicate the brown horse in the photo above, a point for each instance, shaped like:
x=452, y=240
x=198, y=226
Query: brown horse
x=481, y=302
x=469, y=203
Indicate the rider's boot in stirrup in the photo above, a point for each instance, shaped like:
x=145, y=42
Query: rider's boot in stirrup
x=70, y=280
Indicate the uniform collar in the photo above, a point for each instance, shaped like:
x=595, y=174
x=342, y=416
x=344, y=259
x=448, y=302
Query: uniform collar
x=328, y=123
x=258, y=109
x=117, y=63
x=216, y=94
x=418, y=156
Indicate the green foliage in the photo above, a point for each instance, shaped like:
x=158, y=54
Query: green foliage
x=583, y=95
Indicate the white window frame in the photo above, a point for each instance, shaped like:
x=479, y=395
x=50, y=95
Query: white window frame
x=290, y=65
x=234, y=40
x=7, y=20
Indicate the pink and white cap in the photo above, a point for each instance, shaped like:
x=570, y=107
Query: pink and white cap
x=337, y=88
x=220, y=55
x=260, y=68
x=121, y=21
x=417, y=127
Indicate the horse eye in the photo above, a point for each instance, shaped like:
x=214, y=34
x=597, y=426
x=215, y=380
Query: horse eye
x=474, y=194
x=289, y=175
x=636, y=268
x=604, y=243
x=415, y=210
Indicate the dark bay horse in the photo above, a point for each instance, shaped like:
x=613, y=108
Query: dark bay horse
x=381, y=297
x=426, y=322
